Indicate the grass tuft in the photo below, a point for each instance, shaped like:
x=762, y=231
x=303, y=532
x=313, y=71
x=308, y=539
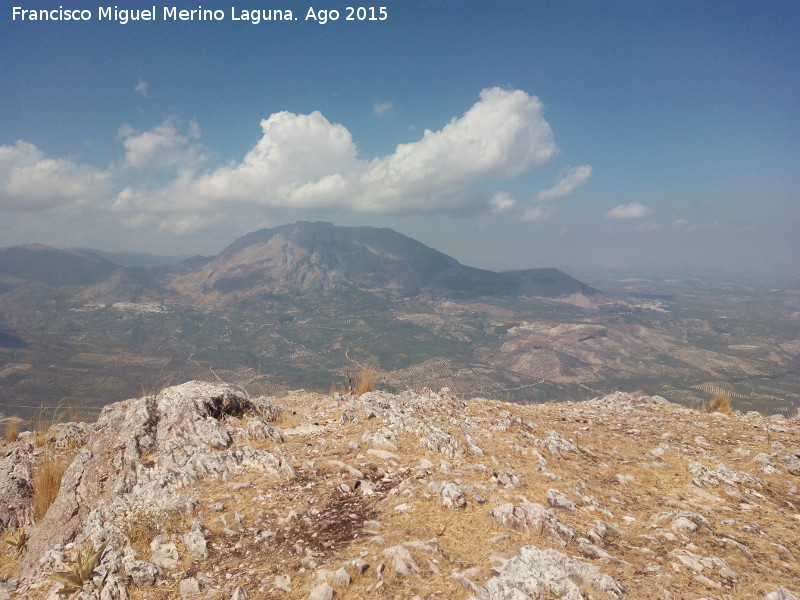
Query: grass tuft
x=721, y=404
x=12, y=432
x=47, y=476
x=367, y=379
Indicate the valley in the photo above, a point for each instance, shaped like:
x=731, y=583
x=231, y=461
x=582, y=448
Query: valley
x=301, y=311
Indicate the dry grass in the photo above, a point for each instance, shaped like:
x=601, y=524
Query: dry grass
x=47, y=476
x=143, y=527
x=468, y=538
x=12, y=432
x=288, y=419
x=721, y=404
x=367, y=379
x=43, y=420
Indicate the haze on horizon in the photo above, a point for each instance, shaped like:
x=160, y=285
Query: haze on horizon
x=646, y=135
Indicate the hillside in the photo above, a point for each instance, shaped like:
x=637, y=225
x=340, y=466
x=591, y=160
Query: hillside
x=201, y=491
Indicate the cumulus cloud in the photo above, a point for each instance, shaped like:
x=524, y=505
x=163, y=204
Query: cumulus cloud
x=162, y=147
x=574, y=178
x=31, y=181
x=634, y=210
x=301, y=162
x=307, y=162
x=381, y=108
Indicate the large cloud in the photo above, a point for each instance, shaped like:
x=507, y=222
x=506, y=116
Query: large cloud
x=30, y=181
x=162, y=147
x=304, y=161
x=300, y=162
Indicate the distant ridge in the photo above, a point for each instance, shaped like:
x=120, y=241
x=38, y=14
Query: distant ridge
x=54, y=267
x=134, y=259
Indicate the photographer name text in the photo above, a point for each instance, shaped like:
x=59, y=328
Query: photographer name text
x=124, y=16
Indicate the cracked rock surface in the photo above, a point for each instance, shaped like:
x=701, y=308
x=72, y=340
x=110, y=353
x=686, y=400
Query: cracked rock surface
x=201, y=491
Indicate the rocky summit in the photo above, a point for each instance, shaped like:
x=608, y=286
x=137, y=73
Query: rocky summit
x=201, y=491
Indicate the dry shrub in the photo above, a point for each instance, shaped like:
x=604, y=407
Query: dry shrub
x=12, y=432
x=142, y=527
x=367, y=379
x=721, y=403
x=287, y=418
x=43, y=421
x=47, y=476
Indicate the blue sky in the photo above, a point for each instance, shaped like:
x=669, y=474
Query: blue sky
x=508, y=134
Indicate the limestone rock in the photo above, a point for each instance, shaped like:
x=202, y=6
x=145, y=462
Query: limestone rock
x=163, y=554
x=16, y=489
x=451, y=496
x=402, y=562
x=283, y=583
x=195, y=541
x=534, y=573
x=781, y=594
x=240, y=594
x=556, y=444
x=141, y=573
x=323, y=591
x=534, y=517
x=559, y=500
x=341, y=576
x=189, y=588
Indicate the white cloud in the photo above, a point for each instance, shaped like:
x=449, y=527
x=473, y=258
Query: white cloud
x=501, y=203
x=160, y=148
x=634, y=210
x=381, y=108
x=541, y=212
x=574, y=178
x=300, y=162
x=186, y=224
x=30, y=181
x=306, y=162
x=142, y=88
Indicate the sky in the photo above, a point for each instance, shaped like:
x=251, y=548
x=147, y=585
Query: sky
x=515, y=134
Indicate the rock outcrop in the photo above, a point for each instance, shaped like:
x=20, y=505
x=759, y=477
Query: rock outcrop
x=205, y=492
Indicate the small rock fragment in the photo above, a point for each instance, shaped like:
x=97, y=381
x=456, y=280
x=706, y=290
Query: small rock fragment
x=283, y=583
x=451, y=496
x=323, y=591
x=189, y=587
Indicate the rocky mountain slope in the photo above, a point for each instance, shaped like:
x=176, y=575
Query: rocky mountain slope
x=200, y=491
x=306, y=257
x=298, y=259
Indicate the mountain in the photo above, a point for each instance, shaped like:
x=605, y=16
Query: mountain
x=43, y=264
x=317, y=258
x=300, y=306
x=300, y=259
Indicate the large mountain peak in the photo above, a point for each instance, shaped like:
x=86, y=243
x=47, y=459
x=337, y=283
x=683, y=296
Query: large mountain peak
x=318, y=257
